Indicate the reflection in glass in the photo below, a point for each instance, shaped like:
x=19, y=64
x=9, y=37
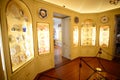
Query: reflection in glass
x=88, y=33
x=75, y=35
x=43, y=38
x=19, y=34
x=104, y=36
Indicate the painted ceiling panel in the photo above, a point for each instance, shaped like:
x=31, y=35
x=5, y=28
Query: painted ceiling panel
x=85, y=6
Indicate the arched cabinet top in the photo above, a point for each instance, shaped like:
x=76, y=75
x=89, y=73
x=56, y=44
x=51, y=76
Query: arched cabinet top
x=20, y=35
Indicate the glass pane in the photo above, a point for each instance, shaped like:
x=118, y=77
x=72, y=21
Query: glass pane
x=104, y=36
x=43, y=38
x=19, y=34
x=75, y=35
x=88, y=33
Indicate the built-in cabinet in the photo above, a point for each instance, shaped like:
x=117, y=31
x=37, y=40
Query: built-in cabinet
x=104, y=36
x=75, y=36
x=88, y=33
x=20, y=35
x=43, y=38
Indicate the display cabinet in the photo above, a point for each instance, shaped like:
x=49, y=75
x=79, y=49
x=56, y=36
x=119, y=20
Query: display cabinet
x=43, y=38
x=75, y=36
x=88, y=33
x=20, y=35
x=104, y=36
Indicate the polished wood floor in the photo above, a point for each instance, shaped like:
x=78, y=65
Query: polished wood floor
x=81, y=69
x=59, y=59
x=84, y=69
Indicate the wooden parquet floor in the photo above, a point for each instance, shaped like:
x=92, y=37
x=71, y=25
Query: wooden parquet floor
x=83, y=69
x=59, y=59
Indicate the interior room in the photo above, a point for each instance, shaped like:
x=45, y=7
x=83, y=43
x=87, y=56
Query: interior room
x=59, y=39
x=59, y=58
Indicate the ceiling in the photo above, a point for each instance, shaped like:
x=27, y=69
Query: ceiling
x=85, y=6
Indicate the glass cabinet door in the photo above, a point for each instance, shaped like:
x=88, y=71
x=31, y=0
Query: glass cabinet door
x=43, y=38
x=75, y=36
x=88, y=33
x=20, y=35
x=104, y=36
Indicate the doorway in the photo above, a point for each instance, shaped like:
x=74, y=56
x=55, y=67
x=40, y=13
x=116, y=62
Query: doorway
x=117, y=44
x=60, y=56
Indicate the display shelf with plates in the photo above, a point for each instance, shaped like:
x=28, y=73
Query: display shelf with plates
x=104, y=36
x=43, y=38
x=75, y=36
x=20, y=35
x=88, y=33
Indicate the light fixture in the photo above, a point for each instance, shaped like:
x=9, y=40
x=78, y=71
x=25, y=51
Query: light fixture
x=115, y=2
x=98, y=69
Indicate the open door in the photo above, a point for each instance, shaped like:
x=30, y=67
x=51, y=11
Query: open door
x=66, y=37
x=61, y=39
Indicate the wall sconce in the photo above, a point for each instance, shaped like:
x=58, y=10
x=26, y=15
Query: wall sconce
x=115, y=2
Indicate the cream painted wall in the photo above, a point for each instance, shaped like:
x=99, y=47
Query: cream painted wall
x=92, y=50
x=44, y=62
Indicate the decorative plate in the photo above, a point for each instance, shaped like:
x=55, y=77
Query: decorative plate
x=21, y=12
x=43, y=13
x=104, y=19
x=76, y=19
